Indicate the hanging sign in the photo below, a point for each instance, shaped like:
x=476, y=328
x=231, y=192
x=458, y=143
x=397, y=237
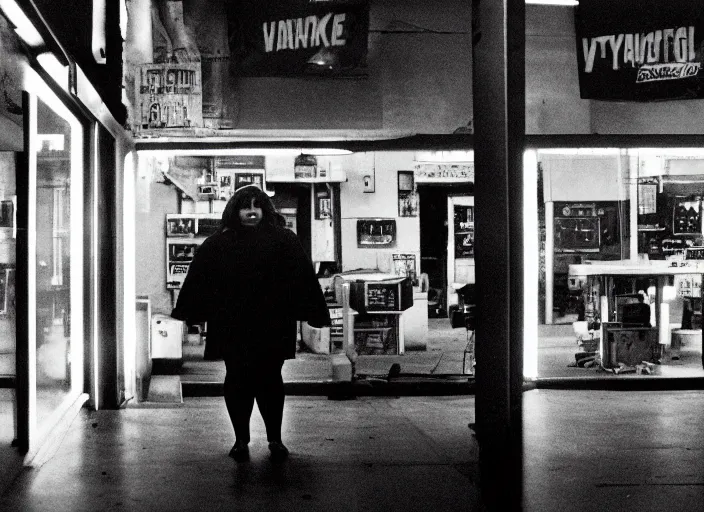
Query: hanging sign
x=298, y=37
x=640, y=50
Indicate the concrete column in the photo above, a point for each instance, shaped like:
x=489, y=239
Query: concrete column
x=498, y=80
x=138, y=46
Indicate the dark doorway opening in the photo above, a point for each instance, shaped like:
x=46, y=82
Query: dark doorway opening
x=433, y=244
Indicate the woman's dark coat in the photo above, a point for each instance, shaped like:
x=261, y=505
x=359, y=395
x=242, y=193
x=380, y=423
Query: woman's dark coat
x=251, y=285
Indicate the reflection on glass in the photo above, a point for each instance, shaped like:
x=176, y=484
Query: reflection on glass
x=464, y=231
x=8, y=340
x=53, y=258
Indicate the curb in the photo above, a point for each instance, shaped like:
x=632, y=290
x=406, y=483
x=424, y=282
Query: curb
x=622, y=384
x=402, y=386
x=449, y=386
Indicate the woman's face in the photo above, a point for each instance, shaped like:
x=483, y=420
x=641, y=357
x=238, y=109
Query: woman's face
x=251, y=215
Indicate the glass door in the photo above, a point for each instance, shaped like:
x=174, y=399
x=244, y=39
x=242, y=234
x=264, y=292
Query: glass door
x=460, y=244
x=55, y=266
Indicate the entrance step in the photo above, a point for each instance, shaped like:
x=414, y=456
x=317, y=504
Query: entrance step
x=165, y=389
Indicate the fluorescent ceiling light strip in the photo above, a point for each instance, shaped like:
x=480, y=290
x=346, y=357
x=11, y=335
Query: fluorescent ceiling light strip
x=24, y=28
x=98, y=45
x=531, y=264
x=250, y=151
x=565, y=3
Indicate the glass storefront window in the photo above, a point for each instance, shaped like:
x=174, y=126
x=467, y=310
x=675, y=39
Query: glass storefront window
x=8, y=339
x=55, y=270
x=621, y=262
x=53, y=261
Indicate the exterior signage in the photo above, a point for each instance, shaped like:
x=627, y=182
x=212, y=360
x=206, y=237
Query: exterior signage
x=298, y=37
x=169, y=96
x=640, y=50
x=425, y=172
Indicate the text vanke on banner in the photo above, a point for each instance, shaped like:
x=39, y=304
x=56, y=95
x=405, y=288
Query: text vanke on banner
x=298, y=37
x=640, y=50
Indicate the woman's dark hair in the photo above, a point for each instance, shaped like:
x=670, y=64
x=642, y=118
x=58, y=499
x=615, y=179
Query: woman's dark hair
x=242, y=198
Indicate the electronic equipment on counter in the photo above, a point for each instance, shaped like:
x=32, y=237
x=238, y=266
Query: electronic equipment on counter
x=381, y=296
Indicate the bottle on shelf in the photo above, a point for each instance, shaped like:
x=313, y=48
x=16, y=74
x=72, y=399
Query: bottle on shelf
x=692, y=220
x=680, y=219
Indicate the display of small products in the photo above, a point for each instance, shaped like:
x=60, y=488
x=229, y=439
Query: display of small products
x=375, y=335
x=688, y=286
x=672, y=246
x=694, y=253
x=686, y=217
x=375, y=342
x=184, y=234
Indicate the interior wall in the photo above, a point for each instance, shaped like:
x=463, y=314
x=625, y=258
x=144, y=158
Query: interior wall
x=419, y=81
x=382, y=203
x=154, y=200
x=418, y=76
x=600, y=178
x=553, y=104
x=664, y=117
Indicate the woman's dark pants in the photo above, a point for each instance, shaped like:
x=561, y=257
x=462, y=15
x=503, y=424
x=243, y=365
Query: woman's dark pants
x=260, y=381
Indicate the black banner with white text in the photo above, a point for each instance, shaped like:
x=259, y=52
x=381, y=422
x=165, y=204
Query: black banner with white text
x=298, y=37
x=640, y=50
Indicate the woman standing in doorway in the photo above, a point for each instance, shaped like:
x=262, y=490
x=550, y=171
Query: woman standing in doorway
x=250, y=282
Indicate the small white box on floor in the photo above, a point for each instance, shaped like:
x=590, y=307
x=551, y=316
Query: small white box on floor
x=316, y=339
x=341, y=368
x=167, y=337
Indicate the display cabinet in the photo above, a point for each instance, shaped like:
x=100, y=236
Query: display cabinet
x=184, y=234
x=378, y=334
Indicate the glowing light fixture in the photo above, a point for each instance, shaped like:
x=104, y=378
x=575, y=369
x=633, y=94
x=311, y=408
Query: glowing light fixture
x=669, y=293
x=54, y=68
x=445, y=156
x=530, y=265
x=252, y=151
x=565, y=3
x=98, y=34
x=23, y=27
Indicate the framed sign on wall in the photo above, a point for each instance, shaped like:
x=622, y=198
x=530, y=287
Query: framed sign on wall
x=376, y=232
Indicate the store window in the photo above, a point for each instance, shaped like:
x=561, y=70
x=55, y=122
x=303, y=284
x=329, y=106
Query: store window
x=621, y=262
x=55, y=275
x=8, y=339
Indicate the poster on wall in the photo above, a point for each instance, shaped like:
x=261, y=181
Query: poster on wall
x=407, y=195
x=376, y=232
x=640, y=50
x=405, y=265
x=298, y=37
x=323, y=202
x=464, y=231
x=439, y=173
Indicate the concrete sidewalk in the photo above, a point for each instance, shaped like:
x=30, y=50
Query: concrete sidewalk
x=357, y=455
x=584, y=451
